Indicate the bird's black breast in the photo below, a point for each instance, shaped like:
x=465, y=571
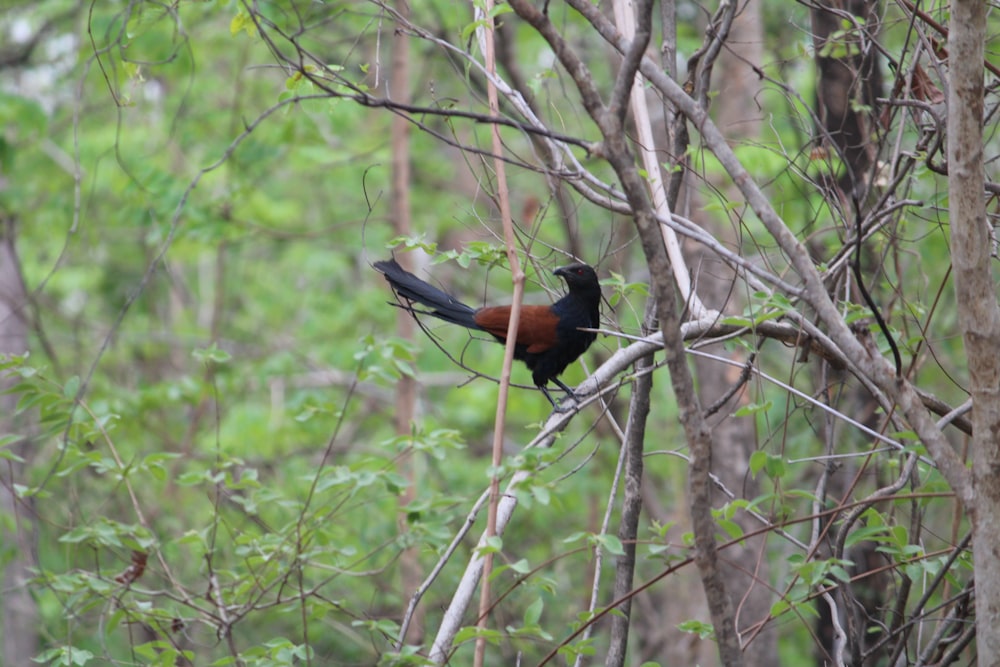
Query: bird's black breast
x=573, y=314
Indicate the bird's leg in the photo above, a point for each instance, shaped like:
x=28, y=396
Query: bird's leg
x=566, y=389
x=548, y=396
x=562, y=385
x=555, y=406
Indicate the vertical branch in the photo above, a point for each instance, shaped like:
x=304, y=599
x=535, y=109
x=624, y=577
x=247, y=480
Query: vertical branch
x=20, y=613
x=628, y=530
x=486, y=34
x=617, y=151
x=646, y=146
x=567, y=209
x=692, y=418
x=849, y=81
x=978, y=312
x=406, y=388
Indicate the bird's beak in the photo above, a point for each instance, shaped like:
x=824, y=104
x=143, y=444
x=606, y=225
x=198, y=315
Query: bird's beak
x=561, y=271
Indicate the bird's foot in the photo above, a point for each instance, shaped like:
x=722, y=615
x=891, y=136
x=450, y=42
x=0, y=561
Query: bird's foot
x=556, y=406
x=571, y=402
x=563, y=409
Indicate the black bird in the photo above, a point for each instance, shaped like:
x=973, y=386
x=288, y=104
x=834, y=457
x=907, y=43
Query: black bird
x=548, y=337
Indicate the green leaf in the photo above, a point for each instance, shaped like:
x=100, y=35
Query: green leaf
x=700, y=628
x=867, y=533
x=492, y=544
x=610, y=543
x=775, y=467
x=521, y=567
x=733, y=529
x=242, y=22
x=212, y=355
x=72, y=387
x=534, y=612
x=9, y=455
x=65, y=655
x=753, y=408
x=472, y=27
x=469, y=633
x=541, y=494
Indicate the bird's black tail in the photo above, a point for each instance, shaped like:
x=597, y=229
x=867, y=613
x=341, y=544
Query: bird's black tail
x=443, y=305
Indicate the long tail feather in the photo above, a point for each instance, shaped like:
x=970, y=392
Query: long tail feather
x=443, y=305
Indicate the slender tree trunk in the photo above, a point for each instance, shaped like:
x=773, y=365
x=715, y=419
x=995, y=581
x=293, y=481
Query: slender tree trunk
x=406, y=389
x=628, y=530
x=734, y=439
x=849, y=82
x=20, y=614
x=978, y=312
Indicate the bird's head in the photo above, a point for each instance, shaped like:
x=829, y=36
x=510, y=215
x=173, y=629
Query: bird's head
x=579, y=276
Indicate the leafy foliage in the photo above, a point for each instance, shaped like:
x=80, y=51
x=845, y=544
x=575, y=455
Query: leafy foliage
x=207, y=444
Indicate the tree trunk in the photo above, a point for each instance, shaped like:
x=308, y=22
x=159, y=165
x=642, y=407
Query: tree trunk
x=978, y=312
x=20, y=614
x=737, y=114
x=406, y=388
x=849, y=83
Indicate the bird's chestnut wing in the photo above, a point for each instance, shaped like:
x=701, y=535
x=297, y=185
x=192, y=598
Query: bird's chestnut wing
x=537, y=328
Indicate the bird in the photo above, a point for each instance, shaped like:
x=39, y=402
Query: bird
x=549, y=338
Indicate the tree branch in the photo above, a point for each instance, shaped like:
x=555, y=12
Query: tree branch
x=873, y=368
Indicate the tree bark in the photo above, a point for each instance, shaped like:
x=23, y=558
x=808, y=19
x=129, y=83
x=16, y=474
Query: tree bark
x=978, y=312
x=849, y=83
x=406, y=388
